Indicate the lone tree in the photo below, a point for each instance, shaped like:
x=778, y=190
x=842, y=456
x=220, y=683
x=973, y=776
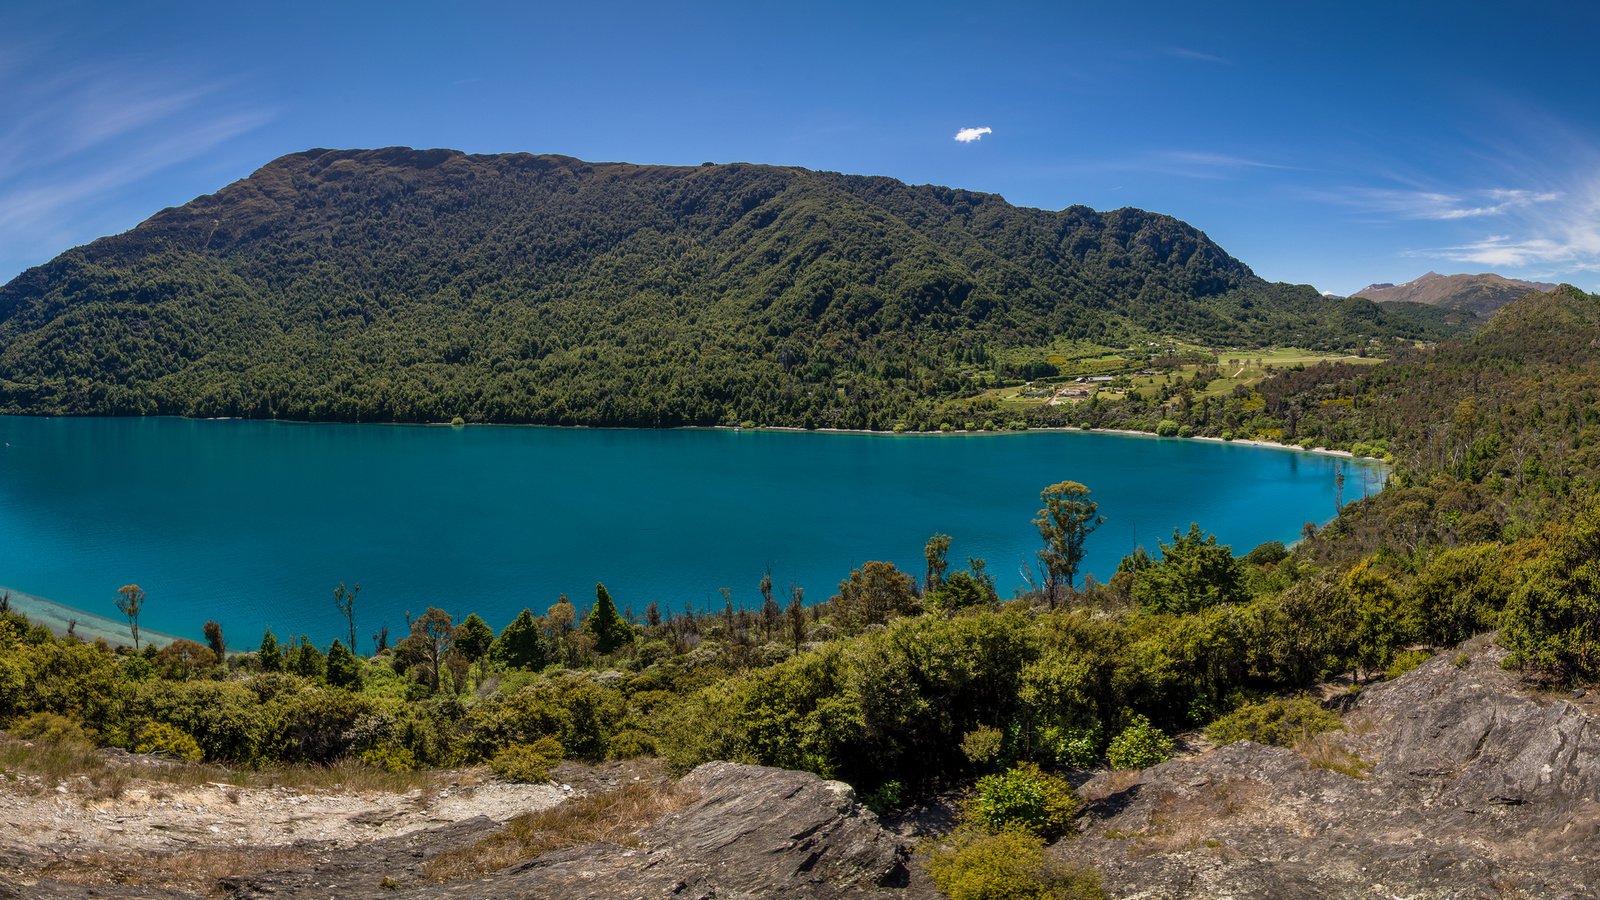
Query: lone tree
x=213, y=633
x=797, y=616
x=936, y=551
x=345, y=599
x=130, y=599
x=873, y=594
x=1068, y=518
x=771, y=612
x=432, y=638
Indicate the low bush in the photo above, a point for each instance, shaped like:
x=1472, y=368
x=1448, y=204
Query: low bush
x=1278, y=722
x=1024, y=797
x=51, y=728
x=528, y=762
x=983, y=745
x=168, y=740
x=1139, y=745
x=1010, y=864
x=1075, y=748
x=1404, y=662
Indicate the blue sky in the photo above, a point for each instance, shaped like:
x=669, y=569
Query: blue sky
x=1330, y=143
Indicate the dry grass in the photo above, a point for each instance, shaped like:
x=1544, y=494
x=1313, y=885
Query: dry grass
x=1109, y=785
x=196, y=871
x=614, y=816
x=102, y=775
x=1326, y=751
x=1179, y=824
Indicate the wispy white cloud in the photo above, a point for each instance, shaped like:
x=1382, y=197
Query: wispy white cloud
x=968, y=135
x=1438, y=205
x=1201, y=56
x=1557, y=231
x=75, y=137
x=1219, y=160
x=1197, y=164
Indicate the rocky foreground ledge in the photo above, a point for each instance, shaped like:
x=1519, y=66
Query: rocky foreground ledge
x=1455, y=781
x=746, y=832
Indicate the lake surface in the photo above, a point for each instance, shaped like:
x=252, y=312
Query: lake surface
x=253, y=523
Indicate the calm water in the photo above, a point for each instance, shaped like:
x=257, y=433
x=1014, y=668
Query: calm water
x=253, y=523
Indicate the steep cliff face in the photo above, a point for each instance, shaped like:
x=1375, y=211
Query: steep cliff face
x=1456, y=781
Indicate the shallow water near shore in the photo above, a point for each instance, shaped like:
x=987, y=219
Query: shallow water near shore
x=253, y=523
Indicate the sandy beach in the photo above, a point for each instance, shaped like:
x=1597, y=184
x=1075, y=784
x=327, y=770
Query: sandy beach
x=58, y=617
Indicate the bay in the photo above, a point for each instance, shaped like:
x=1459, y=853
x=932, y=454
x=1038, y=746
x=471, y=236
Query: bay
x=253, y=523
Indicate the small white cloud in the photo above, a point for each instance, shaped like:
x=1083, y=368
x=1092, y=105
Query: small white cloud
x=968, y=135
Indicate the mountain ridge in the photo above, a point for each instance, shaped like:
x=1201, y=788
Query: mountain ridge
x=1479, y=294
x=419, y=285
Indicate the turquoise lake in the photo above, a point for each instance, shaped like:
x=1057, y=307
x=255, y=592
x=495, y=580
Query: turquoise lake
x=253, y=523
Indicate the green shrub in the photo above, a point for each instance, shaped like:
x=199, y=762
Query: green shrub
x=167, y=740
x=1075, y=748
x=390, y=758
x=1167, y=428
x=528, y=762
x=1278, y=722
x=1139, y=745
x=629, y=744
x=885, y=797
x=51, y=728
x=1008, y=865
x=983, y=745
x=1404, y=662
x=1023, y=797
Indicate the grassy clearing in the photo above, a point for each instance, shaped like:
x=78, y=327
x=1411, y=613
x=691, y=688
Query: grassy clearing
x=1238, y=368
x=614, y=816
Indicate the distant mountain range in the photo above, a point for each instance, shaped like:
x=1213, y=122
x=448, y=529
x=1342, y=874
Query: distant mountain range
x=420, y=285
x=1477, y=294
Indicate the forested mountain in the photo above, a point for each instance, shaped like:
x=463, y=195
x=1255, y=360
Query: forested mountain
x=421, y=285
x=1480, y=295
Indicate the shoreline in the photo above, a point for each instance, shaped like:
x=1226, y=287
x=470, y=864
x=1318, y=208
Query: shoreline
x=59, y=617
x=787, y=429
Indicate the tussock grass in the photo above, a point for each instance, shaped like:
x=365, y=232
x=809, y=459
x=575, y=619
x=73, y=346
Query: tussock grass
x=614, y=816
x=1326, y=752
x=1108, y=785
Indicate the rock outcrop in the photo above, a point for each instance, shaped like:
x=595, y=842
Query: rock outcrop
x=754, y=832
x=1453, y=781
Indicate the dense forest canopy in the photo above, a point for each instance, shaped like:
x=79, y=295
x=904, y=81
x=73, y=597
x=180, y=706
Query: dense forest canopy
x=404, y=285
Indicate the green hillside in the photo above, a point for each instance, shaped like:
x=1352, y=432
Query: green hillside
x=422, y=285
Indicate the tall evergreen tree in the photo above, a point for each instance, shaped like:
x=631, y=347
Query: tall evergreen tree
x=269, y=657
x=604, y=624
x=344, y=670
x=521, y=644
